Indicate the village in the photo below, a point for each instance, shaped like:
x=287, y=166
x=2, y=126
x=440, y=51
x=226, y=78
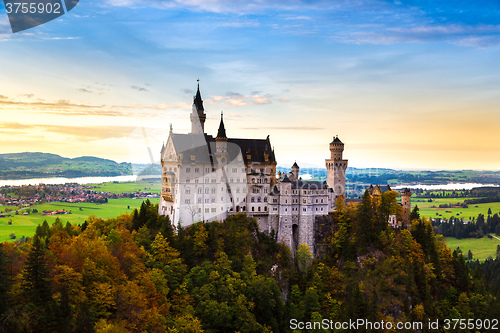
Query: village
x=20, y=199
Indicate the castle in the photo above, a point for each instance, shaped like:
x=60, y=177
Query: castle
x=206, y=179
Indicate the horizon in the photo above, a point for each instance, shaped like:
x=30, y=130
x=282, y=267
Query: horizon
x=406, y=86
x=302, y=166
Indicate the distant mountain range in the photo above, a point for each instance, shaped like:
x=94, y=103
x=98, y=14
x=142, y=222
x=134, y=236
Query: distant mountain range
x=43, y=165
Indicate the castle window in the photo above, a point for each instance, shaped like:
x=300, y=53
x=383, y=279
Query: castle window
x=286, y=201
x=207, y=210
x=213, y=180
x=304, y=201
x=200, y=190
x=214, y=210
x=237, y=190
x=253, y=180
x=207, y=180
x=213, y=200
x=188, y=201
x=237, y=180
x=207, y=201
x=265, y=208
x=213, y=190
x=199, y=200
x=192, y=157
x=207, y=190
x=207, y=169
x=234, y=170
x=253, y=209
x=275, y=208
x=286, y=209
x=196, y=170
x=199, y=210
x=275, y=200
x=188, y=170
x=170, y=169
x=258, y=208
x=231, y=180
x=316, y=200
x=321, y=208
x=265, y=199
x=258, y=199
x=304, y=209
x=244, y=190
x=221, y=198
x=252, y=199
x=321, y=200
x=188, y=180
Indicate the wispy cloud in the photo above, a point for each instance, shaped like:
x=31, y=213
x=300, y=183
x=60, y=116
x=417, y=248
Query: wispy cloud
x=286, y=128
x=138, y=88
x=83, y=133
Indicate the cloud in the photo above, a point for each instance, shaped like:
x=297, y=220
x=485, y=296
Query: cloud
x=27, y=95
x=139, y=88
x=82, y=133
x=291, y=128
x=234, y=99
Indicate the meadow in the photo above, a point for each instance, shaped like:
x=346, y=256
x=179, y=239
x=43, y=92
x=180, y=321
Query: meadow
x=481, y=248
x=153, y=186
x=466, y=213
x=25, y=225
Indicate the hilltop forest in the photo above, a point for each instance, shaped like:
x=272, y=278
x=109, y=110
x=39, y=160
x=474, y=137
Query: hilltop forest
x=138, y=273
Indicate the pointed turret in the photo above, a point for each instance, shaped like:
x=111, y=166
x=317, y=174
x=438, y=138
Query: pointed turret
x=198, y=115
x=197, y=101
x=221, y=133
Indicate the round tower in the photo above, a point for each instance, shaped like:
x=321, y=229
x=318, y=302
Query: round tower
x=336, y=167
x=406, y=204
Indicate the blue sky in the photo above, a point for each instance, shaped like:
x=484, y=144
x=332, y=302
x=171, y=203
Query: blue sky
x=405, y=84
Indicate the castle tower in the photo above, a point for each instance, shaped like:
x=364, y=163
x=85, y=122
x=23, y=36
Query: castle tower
x=198, y=115
x=295, y=171
x=406, y=203
x=336, y=167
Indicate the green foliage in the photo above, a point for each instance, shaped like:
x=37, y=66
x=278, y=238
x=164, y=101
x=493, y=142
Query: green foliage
x=135, y=273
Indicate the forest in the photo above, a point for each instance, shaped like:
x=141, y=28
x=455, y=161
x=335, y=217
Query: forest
x=139, y=273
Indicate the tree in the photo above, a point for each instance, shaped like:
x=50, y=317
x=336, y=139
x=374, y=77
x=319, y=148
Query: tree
x=415, y=214
x=36, y=280
x=469, y=255
x=364, y=228
x=303, y=257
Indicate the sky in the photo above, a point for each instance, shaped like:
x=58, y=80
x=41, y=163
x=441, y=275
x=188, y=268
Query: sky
x=404, y=84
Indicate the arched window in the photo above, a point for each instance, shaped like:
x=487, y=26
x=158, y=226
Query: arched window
x=259, y=208
x=258, y=199
x=253, y=199
x=253, y=180
x=265, y=199
x=200, y=190
x=253, y=209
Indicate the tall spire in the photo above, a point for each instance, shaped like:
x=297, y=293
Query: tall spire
x=198, y=102
x=198, y=115
x=221, y=134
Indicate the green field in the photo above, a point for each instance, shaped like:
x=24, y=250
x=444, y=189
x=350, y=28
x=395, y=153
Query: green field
x=153, y=186
x=481, y=248
x=25, y=225
x=465, y=213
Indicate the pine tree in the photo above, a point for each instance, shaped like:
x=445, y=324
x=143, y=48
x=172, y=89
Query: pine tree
x=36, y=280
